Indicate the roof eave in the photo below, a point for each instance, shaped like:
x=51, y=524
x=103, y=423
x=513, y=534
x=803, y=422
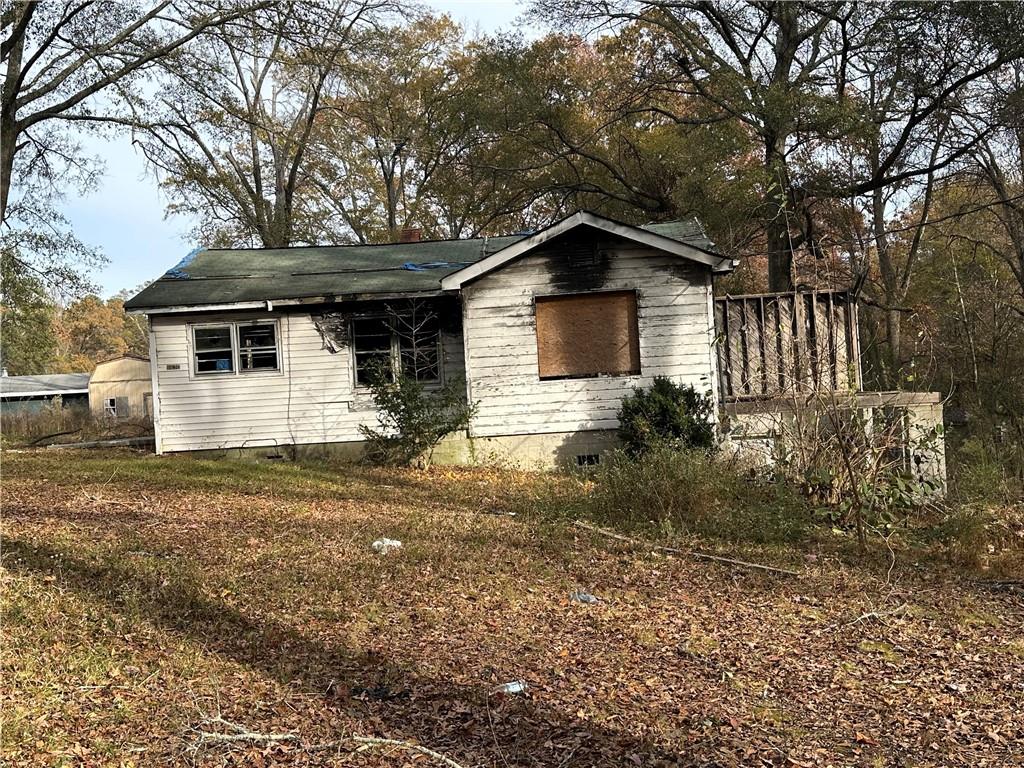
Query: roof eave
x=44, y=393
x=268, y=305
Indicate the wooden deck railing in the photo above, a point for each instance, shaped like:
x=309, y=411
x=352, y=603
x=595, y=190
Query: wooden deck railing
x=781, y=343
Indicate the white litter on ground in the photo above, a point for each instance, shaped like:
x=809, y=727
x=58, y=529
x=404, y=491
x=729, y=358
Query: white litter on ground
x=384, y=546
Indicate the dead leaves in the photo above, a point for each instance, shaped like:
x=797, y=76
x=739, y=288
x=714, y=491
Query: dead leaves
x=123, y=621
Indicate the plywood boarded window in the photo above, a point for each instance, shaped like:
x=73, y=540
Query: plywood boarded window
x=588, y=334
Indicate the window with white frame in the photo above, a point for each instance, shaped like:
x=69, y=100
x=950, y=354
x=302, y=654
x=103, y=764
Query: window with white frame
x=407, y=342
x=213, y=349
x=241, y=347
x=110, y=407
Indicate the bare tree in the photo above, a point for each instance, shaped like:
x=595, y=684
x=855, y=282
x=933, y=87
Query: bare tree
x=231, y=129
x=1000, y=159
x=65, y=63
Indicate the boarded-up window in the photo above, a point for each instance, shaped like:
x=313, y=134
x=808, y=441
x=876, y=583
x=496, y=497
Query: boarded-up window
x=588, y=334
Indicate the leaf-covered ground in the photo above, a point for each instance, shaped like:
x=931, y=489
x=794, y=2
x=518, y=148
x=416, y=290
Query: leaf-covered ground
x=145, y=596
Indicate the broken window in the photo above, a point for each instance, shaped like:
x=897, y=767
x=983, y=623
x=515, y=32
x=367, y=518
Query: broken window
x=371, y=340
x=408, y=342
x=588, y=334
x=110, y=407
x=213, y=349
x=257, y=347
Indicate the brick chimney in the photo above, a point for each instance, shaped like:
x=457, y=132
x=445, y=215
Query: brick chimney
x=410, y=235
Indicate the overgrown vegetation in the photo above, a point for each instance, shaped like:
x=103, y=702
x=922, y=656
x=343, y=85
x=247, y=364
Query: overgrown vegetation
x=666, y=413
x=58, y=424
x=689, y=491
x=413, y=418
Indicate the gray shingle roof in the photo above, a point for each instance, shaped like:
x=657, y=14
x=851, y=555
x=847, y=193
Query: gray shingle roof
x=228, y=276
x=56, y=383
x=685, y=230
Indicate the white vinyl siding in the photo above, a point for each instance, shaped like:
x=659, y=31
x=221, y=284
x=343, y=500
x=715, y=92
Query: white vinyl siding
x=676, y=333
x=310, y=398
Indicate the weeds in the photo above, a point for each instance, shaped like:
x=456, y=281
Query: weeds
x=692, y=492
x=58, y=424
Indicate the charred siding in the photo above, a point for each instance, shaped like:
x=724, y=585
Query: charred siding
x=676, y=330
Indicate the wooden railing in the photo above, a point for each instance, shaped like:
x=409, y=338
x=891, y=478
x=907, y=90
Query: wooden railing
x=784, y=343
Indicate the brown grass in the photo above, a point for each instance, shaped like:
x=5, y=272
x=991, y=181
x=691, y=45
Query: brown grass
x=142, y=595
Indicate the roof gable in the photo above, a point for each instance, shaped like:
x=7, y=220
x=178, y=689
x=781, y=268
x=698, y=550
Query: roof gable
x=642, y=235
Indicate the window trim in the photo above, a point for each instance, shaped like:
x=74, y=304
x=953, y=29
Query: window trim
x=395, y=354
x=637, y=374
x=236, y=361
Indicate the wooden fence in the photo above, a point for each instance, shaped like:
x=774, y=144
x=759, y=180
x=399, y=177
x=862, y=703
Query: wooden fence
x=774, y=344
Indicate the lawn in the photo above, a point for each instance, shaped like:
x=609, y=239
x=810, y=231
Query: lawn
x=150, y=603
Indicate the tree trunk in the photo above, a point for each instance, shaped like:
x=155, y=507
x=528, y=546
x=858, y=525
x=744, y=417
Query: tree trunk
x=777, y=232
x=9, y=129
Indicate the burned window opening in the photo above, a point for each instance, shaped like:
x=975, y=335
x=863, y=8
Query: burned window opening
x=406, y=340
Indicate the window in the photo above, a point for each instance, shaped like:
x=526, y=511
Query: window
x=257, y=347
x=213, y=349
x=587, y=334
x=409, y=342
x=116, y=407
x=245, y=346
x=371, y=340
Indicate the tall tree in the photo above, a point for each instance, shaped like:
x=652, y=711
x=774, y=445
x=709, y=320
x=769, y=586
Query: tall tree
x=230, y=131
x=64, y=63
x=391, y=129
x=27, y=312
x=787, y=73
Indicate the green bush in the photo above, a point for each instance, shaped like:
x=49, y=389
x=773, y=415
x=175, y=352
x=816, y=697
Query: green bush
x=667, y=413
x=692, y=491
x=413, y=418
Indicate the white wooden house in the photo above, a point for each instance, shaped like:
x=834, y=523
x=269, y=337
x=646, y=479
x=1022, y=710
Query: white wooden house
x=270, y=348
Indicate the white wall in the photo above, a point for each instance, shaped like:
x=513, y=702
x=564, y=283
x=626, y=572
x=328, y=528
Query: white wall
x=676, y=329
x=310, y=400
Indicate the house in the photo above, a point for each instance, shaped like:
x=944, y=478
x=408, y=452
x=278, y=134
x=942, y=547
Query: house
x=265, y=348
x=29, y=394
x=122, y=388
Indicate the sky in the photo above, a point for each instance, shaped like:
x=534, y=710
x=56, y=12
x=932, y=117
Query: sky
x=124, y=216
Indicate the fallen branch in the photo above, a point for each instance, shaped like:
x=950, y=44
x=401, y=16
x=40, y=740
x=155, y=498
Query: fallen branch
x=238, y=733
x=684, y=552
x=369, y=742
x=880, y=615
x=38, y=440
x=123, y=442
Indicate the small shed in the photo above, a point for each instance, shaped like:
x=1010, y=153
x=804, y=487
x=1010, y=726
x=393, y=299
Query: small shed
x=29, y=394
x=122, y=388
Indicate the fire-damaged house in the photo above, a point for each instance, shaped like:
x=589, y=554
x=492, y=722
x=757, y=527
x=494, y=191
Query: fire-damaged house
x=272, y=348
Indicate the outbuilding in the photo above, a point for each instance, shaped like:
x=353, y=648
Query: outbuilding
x=122, y=388
x=30, y=394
